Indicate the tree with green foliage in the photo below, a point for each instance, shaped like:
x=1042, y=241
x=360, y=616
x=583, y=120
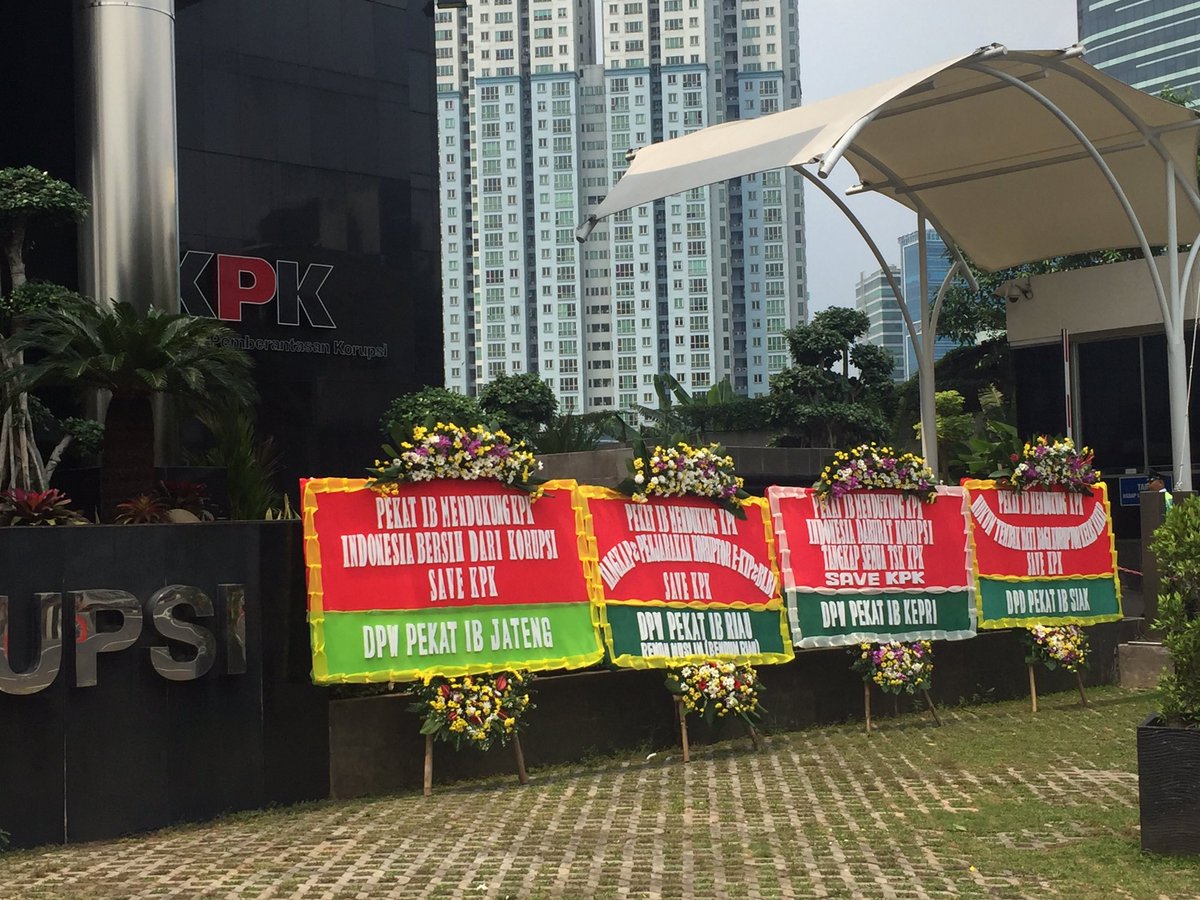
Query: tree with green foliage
x=29, y=197
x=968, y=370
x=427, y=407
x=133, y=356
x=520, y=404
x=814, y=403
x=977, y=444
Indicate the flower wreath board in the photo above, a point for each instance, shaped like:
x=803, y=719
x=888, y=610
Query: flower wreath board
x=1042, y=556
x=874, y=565
x=445, y=578
x=684, y=581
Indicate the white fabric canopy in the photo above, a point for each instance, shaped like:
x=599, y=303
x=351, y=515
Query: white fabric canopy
x=999, y=173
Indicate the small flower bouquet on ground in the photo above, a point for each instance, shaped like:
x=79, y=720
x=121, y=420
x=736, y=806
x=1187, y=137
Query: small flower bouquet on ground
x=875, y=467
x=896, y=667
x=685, y=471
x=1050, y=463
x=475, y=710
x=451, y=451
x=1057, y=646
x=716, y=690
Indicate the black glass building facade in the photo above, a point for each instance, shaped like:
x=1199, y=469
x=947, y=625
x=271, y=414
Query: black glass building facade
x=308, y=213
x=1151, y=44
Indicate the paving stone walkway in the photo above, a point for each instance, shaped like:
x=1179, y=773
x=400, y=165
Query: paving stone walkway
x=821, y=813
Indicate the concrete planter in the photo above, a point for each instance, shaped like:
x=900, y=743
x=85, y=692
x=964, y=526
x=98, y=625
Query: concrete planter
x=1169, y=788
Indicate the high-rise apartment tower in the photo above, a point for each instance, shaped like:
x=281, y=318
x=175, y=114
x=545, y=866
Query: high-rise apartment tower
x=534, y=132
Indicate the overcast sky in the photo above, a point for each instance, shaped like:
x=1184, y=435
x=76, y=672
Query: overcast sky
x=847, y=44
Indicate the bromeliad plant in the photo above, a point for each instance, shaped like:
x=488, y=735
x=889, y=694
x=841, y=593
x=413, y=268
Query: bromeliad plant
x=715, y=690
x=451, y=451
x=875, y=467
x=685, y=471
x=1049, y=463
x=895, y=667
x=476, y=710
x=1056, y=646
x=52, y=507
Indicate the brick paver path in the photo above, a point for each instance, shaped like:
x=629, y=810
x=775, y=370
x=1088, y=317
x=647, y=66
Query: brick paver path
x=821, y=813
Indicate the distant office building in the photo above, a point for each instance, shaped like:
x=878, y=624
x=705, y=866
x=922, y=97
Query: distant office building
x=910, y=283
x=1149, y=44
x=534, y=133
x=874, y=296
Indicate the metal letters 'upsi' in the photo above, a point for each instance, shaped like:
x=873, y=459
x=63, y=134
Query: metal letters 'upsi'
x=89, y=642
x=161, y=609
x=49, y=655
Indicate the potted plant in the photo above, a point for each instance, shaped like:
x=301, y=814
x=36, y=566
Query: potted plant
x=1169, y=741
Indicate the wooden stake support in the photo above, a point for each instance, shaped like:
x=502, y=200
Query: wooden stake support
x=428, y=785
x=867, y=704
x=1082, y=695
x=932, y=707
x=755, y=739
x=681, y=714
x=1032, y=688
x=522, y=776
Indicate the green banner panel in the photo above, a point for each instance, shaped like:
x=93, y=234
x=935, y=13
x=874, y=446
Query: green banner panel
x=836, y=620
x=1050, y=601
x=405, y=645
x=643, y=635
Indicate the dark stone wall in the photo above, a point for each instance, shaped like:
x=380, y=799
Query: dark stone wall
x=376, y=747
x=137, y=751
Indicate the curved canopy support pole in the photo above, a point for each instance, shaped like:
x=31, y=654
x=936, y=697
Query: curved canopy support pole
x=923, y=210
x=1100, y=163
x=926, y=384
x=1177, y=373
x=924, y=348
x=1151, y=136
x=1184, y=285
x=1169, y=304
x=871, y=245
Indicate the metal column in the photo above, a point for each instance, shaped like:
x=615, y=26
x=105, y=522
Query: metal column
x=128, y=151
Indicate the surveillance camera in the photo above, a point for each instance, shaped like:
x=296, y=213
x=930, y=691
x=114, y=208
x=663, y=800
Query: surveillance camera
x=1014, y=290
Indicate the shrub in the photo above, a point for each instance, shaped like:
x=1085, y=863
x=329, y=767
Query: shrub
x=520, y=404
x=1176, y=546
x=428, y=407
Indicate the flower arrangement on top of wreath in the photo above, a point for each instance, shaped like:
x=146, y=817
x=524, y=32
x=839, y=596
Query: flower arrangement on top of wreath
x=685, y=471
x=875, y=467
x=475, y=710
x=451, y=451
x=1049, y=463
x=1057, y=646
x=715, y=690
x=896, y=667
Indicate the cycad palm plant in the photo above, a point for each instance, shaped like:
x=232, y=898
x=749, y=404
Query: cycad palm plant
x=133, y=356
